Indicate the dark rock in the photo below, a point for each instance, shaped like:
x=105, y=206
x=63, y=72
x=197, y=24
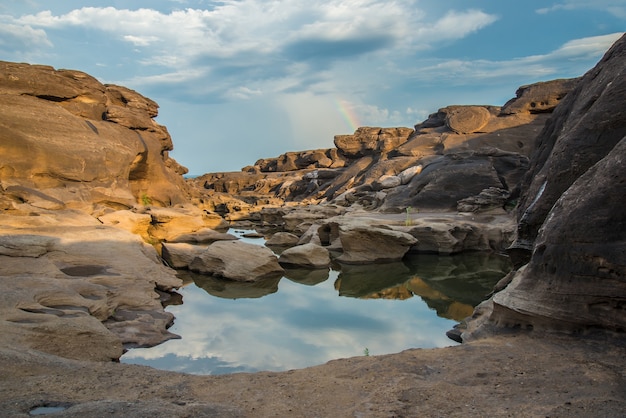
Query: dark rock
x=571, y=218
x=583, y=129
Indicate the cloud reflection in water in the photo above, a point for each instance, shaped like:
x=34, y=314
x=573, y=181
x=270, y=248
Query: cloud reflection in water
x=301, y=321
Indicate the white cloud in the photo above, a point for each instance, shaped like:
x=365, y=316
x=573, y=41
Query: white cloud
x=615, y=7
x=26, y=36
x=249, y=26
x=535, y=66
x=454, y=25
x=140, y=40
x=242, y=93
x=585, y=47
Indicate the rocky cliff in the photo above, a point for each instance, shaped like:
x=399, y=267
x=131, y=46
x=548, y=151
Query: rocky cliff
x=68, y=141
x=571, y=240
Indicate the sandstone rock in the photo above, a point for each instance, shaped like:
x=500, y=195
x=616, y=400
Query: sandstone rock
x=408, y=174
x=306, y=255
x=444, y=182
x=467, y=119
x=451, y=235
x=282, y=239
x=25, y=245
x=136, y=223
x=180, y=255
x=584, y=128
x=488, y=199
x=574, y=280
x=169, y=223
x=571, y=218
x=74, y=275
x=203, y=236
x=539, y=97
x=368, y=140
x=387, y=182
x=113, y=162
x=362, y=244
x=238, y=261
x=290, y=161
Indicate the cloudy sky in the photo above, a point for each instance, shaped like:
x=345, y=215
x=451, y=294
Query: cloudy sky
x=239, y=80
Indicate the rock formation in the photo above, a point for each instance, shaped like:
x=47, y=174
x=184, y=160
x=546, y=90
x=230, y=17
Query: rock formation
x=237, y=260
x=119, y=154
x=456, y=154
x=79, y=282
x=571, y=218
x=306, y=255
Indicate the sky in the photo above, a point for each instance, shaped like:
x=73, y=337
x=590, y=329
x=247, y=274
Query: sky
x=240, y=80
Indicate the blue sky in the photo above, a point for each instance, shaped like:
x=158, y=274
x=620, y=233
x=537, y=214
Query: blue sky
x=239, y=80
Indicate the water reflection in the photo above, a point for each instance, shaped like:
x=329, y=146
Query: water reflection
x=299, y=320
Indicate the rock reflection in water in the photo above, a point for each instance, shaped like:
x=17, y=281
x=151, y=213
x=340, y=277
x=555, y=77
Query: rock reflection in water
x=452, y=285
x=306, y=276
x=230, y=289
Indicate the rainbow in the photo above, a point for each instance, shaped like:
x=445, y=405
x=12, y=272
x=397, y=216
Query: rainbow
x=346, y=110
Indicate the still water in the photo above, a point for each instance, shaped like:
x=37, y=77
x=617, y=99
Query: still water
x=310, y=317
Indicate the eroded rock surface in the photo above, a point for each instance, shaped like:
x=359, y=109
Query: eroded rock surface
x=571, y=217
x=66, y=290
x=119, y=154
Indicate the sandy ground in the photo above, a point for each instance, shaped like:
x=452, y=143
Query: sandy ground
x=514, y=375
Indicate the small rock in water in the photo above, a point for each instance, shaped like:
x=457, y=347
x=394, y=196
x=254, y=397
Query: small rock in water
x=252, y=235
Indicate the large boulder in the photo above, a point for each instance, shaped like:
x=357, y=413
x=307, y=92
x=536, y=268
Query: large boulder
x=467, y=119
x=456, y=234
x=282, y=239
x=453, y=177
x=365, y=242
x=180, y=255
x=170, y=223
x=203, y=236
x=575, y=278
x=307, y=255
x=540, y=97
x=237, y=260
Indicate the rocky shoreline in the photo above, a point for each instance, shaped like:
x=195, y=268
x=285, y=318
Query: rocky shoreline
x=85, y=237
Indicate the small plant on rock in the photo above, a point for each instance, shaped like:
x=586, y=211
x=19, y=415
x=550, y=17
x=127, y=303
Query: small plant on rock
x=408, y=221
x=145, y=199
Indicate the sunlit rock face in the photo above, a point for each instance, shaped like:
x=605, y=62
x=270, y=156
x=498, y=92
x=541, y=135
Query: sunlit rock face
x=571, y=215
x=66, y=140
x=457, y=154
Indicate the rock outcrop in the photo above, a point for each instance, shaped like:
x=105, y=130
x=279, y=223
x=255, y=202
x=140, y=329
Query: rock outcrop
x=456, y=154
x=68, y=141
x=67, y=291
x=571, y=217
